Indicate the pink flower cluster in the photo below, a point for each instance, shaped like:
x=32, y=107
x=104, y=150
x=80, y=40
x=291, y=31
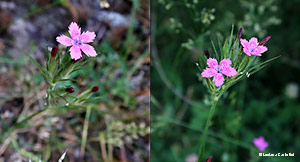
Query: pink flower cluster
x=78, y=42
x=217, y=70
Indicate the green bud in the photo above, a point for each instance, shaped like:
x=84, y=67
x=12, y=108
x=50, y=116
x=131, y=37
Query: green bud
x=51, y=65
x=59, y=90
x=86, y=94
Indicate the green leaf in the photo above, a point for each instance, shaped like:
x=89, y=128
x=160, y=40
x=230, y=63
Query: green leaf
x=237, y=59
x=23, y=152
x=225, y=49
x=200, y=65
x=53, y=99
x=230, y=38
x=93, y=98
x=81, y=64
x=48, y=57
x=71, y=96
x=233, y=53
x=215, y=50
x=19, y=125
x=263, y=63
x=250, y=63
x=38, y=65
x=220, y=48
x=256, y=70
x=72, y=80
x=63, y=98
x=244, y=63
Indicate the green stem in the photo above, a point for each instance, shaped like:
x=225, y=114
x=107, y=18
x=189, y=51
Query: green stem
x=48, y=97
x=211, y=112
x=85, y=131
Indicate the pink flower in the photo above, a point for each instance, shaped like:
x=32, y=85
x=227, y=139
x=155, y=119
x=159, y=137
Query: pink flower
x=216, y=70
x=260, y=143
x=78, y=42
x=252, y=47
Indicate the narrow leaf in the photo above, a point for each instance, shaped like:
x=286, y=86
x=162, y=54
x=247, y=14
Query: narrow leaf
x=220, y=47
x=37, y=64
x=264, y=62
x=215, y=50
x=93, y=98
x=72, y=80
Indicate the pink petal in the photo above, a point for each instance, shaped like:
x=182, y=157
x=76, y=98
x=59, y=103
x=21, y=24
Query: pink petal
x=247, y=52
x=74, y=30
x=87, y=37
x=256, y=52
x=212, y=62
x=262, y=49
x=253, y=40
x=64, y=40
x=218, y=79
x=225, y=63
x=208, y=72
x=88, y=50
x=244, y=42
x=229, y=71
x=75, y=52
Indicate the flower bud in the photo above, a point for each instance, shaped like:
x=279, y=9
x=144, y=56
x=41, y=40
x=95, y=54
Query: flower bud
x=69, y=89
x=95, y=89
x=206, y=53
x=264, y=41
x=54, y=52
x=209, y=159
x=240, y=33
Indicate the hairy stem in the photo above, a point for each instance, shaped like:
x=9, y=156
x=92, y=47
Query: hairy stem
x=211, y=112
x=48, y=94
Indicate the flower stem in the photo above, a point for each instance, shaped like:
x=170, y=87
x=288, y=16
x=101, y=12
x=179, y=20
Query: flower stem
x=211, y=112
x=48, y=94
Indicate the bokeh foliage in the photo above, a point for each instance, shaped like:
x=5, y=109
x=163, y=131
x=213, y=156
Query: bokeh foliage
x=261, y=105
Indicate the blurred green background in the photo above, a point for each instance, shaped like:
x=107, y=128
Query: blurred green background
x=265, y=104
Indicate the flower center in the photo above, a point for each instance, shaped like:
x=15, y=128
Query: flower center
x=219, y=69
x=77, y=41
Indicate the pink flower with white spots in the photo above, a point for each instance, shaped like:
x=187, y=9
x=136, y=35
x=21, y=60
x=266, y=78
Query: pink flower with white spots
x=260, y=143
x=253, y=47
x=78, y=42
x=217, y=70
